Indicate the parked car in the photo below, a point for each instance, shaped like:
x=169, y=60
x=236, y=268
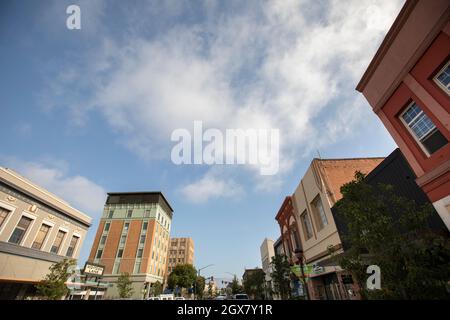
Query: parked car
x=221, y=297
x=240, y=296
x=180, y=298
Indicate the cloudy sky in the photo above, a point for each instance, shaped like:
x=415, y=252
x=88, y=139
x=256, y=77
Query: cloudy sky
x=89, y=111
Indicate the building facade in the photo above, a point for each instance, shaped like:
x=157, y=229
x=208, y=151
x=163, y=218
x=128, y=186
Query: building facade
x=316, y=194
x=133, y=237
x=408, y=86
x=37, y=229
x=181, y=251
x=267, y=253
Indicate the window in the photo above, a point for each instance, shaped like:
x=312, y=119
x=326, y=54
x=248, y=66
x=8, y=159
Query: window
x=145, y=225
x=139, y=253
x=20, y=230
x=116, y=267
x=3, y=214
x=147, y=213
x=99, y=254
x=129, y=213
x=137, y=266
x=423, y=128
x=103, y=240
x=122, y=240
x=58, y=241
x=306, y=223
x=111, y=214
x=120, y=253
x=107, y=225
x=443, y=78
x=142, y=240
x=319, y=213
x=72, y=246
x=126, y=226
x=295, y=240
x=40, y=237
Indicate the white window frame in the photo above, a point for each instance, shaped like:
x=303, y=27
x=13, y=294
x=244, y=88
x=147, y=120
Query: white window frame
x=51, y=225
x=11, y=210
x=411, y=132
x=435, y=79
x=77, y=235
x=27, y=233
x=62, y=242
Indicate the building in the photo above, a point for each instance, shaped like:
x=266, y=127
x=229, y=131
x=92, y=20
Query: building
x=316, y=194
x=181, y=251
x=133, y=237
x=278, y=247
x=37, y=229
x=267, y=253
x=407, y=84
x=395, y=171
x=250, y=273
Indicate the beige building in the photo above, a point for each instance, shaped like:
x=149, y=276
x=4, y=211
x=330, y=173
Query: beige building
x=317, y=192
x=37, y=229
x=267, y=252
x=133, y=237
x=181, y=252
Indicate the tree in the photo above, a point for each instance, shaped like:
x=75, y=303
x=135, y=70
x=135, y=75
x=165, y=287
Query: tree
x=157, y=288
x=124, y=286
x=391, y=232
x=182, y=276
x=254, y=284
x=281, y=276
x=210, y=289
x=199, y=286
x=54, y=287
x=235, y=286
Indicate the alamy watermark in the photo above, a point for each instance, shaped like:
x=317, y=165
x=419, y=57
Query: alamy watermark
x=259, y=147
x=73, y=21
x=373, y=282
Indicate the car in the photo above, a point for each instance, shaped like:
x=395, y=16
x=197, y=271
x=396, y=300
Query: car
x=240, y=296
x=153, y=298
x=221, y=297
x=180, y=298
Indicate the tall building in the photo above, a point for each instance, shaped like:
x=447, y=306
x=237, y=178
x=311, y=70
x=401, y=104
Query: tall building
x=267, y=252
x=37, y=229
x=316, y=194
x=133, y=237
x=408, y=86
x=181, y=251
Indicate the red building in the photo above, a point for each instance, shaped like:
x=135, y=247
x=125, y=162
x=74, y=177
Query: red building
x=287, y=221
x=408, y=85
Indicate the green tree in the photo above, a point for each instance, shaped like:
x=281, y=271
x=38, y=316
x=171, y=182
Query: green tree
x=157, y=288
x=182, y=276
x=391, y=232
x=210, y=289
x=235, y=286
x=254, y=284
x=199, y=287
x=124, y=286
x=54, y=287
x=281, y=276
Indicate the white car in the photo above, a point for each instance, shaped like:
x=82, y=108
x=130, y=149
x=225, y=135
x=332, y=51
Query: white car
x=180, y=298
x=221, y=297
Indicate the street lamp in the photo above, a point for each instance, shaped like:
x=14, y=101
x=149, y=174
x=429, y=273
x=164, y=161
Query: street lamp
x=299, y=255
x=198, y=275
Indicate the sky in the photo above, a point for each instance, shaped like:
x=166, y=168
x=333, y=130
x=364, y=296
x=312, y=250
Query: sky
x=90, y=111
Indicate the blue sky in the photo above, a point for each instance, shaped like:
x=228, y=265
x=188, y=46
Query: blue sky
x=89, y=111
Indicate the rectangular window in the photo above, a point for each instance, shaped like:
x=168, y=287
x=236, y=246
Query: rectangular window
x=103, y=240
x=40, y=237
x=3, y=214
x=122, y=240
x=20, y=230
x=126, y=226
x=110, y=214
x=145, y=226
x=72, y=246
x=137, y=267
x=319, y=213
x=139, y=253
x=116, y=267
x=147, y=213
x=107, y=225
x=306, y=223
x=443, y=78
x=58, y=241
x=99, y=254
x=142, y=240
x=120, y=253
x=423, y=128
x=129, y=213
x=295, y=240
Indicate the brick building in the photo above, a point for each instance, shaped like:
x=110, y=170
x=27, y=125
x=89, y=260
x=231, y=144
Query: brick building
x=181, y=251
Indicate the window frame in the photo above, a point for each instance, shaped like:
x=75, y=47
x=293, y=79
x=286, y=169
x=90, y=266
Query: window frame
x=308, y=234
x=27, y=232
x=74, y=251
x=47, y=236
x=11, y=210
x=61, y=245
x=437, y=82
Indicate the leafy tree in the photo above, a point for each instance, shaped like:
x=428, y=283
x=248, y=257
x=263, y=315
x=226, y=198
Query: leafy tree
x=124, y=286
x=199, y=286
x=54, y=287
x=210, y=289
x=157, y=288
x=182, y=276
x=254, y=284
x=281, y=276
x=236, y=287
x=391, y=232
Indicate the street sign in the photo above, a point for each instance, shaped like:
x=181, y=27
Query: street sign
x=93, y=269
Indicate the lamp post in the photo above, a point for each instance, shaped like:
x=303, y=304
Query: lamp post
x=299, y=255
x=198, y=275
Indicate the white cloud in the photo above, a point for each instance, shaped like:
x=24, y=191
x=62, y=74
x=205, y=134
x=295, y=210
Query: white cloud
x=80, y=192
x=291, y=65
